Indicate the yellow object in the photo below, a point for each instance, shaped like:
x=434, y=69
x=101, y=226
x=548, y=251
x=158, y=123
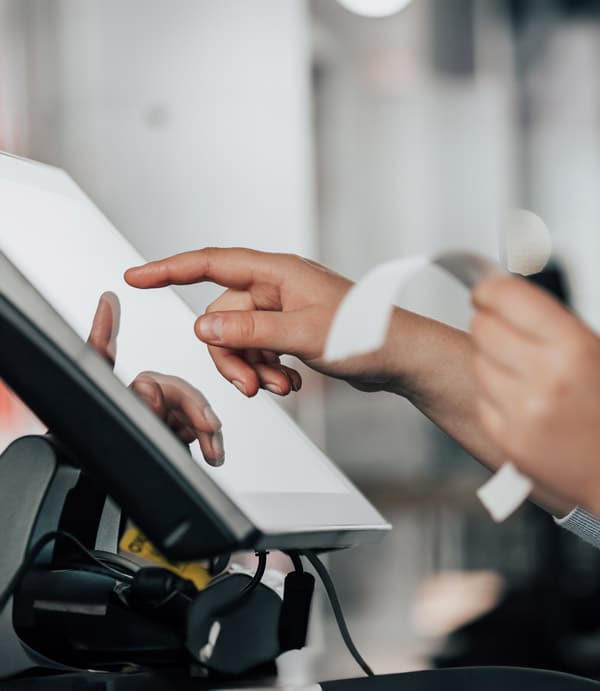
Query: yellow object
x=136, y=543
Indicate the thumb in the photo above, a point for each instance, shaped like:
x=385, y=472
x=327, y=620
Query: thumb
x=296, y=332
x=105, y=327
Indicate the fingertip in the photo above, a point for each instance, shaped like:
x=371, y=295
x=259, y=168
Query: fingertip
x=130, y=275
x=209, y=328
x=486, y=292
x=294, y=377
x=274, y=388
x=218, y=448
x=249, y=387
x=147, y=275
x=206, y=447
x=212, y=448
x=274, y=379
x=109, y=296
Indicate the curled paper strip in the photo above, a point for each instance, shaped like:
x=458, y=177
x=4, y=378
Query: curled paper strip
x=504, y=492
x=361, y=323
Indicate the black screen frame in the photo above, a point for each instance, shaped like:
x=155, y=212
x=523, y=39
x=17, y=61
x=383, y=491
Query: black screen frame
x=120, y=442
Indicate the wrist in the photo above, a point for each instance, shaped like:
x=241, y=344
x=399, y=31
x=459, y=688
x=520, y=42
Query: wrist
x=421, y=357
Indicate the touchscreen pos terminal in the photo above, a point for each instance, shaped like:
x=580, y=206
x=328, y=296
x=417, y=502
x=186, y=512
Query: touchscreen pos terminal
x=276, y=490
x=70, y=601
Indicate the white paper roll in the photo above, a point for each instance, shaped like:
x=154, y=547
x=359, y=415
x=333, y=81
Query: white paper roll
x=361, y=323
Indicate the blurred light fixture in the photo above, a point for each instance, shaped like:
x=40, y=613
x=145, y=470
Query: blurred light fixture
x=374, y=8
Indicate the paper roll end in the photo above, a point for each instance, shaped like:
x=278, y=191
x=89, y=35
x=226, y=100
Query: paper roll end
x=504, y=492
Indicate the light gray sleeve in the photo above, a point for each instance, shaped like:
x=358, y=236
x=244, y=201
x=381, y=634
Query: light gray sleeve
x=583, y=524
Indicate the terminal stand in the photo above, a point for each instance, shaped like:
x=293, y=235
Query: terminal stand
x=33, y=485
x=67, y=616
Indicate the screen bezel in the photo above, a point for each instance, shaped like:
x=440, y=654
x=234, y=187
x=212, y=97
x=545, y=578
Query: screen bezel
x=310, y=520
x=118, y=440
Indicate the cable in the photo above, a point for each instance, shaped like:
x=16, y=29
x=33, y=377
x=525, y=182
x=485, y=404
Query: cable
x=258, y=574
x=296, y=561
x=104, y=563
x=239, y=599
x=319, y=567
x=168, y=598
x=34, y=553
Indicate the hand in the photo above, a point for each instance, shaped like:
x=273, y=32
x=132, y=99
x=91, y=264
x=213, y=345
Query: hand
x=538, y=371
x=182, y=407
x=274, y=304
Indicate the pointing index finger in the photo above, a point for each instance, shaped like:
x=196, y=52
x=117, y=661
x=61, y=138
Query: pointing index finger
x=230, y=267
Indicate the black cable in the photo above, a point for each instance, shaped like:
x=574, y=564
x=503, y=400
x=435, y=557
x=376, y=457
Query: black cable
x=258, y=574
x=105, y=564
x=241, y=597
x=34, y=553
x=168, y=598
x=319, y=567
x=296, y=561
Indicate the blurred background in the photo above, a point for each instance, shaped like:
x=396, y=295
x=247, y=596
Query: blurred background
x=302, y=126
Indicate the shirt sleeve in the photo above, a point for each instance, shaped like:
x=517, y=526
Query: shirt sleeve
x=583, y=524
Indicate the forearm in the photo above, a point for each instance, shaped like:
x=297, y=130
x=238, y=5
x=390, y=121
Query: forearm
x=431, y=365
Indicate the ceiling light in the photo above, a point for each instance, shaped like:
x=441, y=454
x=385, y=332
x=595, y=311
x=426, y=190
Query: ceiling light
x=374, y=8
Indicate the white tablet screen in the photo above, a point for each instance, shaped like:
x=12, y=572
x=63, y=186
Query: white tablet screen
x=71, y=253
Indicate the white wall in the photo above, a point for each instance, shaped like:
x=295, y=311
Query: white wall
x=410, y=161
x=565, y=155
x=188, y=122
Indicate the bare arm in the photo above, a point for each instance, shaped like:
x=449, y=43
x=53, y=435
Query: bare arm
x=433, y=369
x=278, y=304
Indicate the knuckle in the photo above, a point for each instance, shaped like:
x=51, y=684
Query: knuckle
x=537, y=406
x=292, y=259
x=493, y=287
x=146, y=375
x=242, y=330
x=478, y=327
x=557, y=387
x=208, y=256
x=164, y=272
x=490, y=422
x=580, y=351
x=506, y=287
x=563, y=364
x=479, y=369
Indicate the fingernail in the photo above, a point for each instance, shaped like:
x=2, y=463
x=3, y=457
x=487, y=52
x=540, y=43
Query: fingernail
x=239, y=386
x=211, y=418
x=294, y=383
x=216, y=442
x=211, y=328
x=273, y=388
